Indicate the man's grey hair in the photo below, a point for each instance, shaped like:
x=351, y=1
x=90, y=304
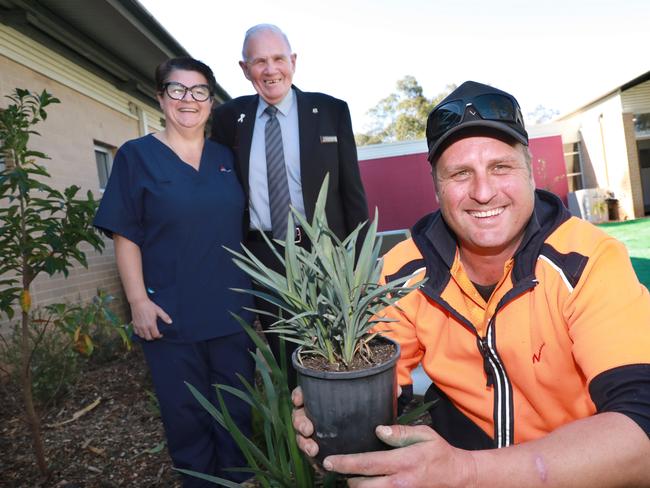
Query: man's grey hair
x=261, y=28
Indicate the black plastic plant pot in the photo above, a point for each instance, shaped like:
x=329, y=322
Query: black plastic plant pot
x=345, y=407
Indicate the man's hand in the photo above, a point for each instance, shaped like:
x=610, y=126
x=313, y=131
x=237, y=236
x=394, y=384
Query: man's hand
x=144, y=314
x=302, y=424
x=422, y=459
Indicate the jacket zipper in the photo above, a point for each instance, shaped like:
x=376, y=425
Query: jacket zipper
x=495, y=371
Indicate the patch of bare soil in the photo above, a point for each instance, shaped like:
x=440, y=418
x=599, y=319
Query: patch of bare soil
x=118, y=441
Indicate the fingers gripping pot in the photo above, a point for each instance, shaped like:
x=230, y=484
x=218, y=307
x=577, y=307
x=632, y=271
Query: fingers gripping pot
x=346, y=406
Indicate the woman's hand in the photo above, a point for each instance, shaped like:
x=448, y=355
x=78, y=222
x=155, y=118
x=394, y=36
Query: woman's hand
x=144, y=314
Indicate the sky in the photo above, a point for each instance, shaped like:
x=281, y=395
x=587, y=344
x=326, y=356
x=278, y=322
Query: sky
x=557, y=53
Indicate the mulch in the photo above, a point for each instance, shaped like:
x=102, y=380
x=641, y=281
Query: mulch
x=118, y=443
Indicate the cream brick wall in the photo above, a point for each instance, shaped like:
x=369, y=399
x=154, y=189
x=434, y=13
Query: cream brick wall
x=68, y=137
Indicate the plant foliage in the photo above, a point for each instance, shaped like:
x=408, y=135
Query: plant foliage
x=41, y=230
x=275, y=459
x=40, y=227
x=330, y=294
x=402, y=115
x=61, y=336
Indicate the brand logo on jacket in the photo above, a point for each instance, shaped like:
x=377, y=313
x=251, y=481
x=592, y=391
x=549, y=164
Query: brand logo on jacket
x=538, y=357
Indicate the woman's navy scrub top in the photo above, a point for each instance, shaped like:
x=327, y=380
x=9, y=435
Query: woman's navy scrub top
x=181, y=219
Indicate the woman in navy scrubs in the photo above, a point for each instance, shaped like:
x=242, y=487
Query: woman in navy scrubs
x=172, y=203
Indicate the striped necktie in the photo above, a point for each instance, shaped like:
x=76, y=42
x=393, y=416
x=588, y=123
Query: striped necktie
x=276, y=174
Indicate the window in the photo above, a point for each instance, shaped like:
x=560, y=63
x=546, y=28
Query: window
x=573, y=161
x=642, y=125
x=104, y=160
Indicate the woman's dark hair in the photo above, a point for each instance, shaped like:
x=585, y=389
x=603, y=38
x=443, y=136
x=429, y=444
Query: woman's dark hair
x=165, y=68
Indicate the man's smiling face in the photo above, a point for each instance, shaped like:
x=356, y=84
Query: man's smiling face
x=269, y=65
x=486, y=193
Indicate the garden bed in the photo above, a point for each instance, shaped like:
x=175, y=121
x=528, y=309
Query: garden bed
x=119, y=442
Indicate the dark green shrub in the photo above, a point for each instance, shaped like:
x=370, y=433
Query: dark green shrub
x=54, y=364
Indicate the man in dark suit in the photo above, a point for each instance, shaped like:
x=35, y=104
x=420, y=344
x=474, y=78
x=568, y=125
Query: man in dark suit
x=316, y=139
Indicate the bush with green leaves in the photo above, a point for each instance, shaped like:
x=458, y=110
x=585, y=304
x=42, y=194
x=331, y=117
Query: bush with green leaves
x=330, y=295
x=41, y=230
x=62, y=339
x=54, y=365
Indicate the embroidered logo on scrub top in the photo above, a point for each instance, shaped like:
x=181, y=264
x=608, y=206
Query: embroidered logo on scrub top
x=223, y=169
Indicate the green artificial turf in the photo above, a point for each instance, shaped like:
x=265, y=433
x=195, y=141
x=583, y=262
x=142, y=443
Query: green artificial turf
x=635, y=234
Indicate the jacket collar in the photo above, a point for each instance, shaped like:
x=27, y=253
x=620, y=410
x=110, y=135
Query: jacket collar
x=438, y=244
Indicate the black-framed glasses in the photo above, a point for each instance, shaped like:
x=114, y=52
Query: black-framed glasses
x=494, y=106
x=177, y=91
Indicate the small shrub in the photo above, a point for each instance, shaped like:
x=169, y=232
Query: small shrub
x=54, y=365
x=63, y=338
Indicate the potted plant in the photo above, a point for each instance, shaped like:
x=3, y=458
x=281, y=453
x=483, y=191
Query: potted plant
x=328, y=301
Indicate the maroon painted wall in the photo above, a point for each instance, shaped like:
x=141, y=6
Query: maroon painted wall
x=401, y=187
x=549, y=167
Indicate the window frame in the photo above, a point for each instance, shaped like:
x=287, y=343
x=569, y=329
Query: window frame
x=108, y=161
x=577, y=151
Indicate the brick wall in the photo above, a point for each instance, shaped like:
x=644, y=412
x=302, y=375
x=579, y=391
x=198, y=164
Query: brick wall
x=68, y=136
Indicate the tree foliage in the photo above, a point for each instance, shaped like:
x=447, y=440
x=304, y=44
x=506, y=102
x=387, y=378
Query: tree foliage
x=41, y=228
x=402, y=115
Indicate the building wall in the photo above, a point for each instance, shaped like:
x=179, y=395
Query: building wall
x=91, y=111
x=634, y=168
x=607, y=161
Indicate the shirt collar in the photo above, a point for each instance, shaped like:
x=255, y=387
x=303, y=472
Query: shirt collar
x=283, y=107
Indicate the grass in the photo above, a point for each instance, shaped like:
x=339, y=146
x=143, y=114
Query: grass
x=635, y=234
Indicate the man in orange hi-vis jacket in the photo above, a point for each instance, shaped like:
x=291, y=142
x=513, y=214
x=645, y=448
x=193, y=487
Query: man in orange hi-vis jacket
x=531, y=325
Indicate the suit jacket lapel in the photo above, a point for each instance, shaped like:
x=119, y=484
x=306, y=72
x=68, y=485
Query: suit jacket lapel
x=245, y=131
x=308, y=135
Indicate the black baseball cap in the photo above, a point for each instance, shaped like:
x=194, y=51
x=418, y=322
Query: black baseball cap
x=474, y=104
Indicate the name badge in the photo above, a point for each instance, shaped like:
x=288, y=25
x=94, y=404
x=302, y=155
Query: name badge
x=328, y=139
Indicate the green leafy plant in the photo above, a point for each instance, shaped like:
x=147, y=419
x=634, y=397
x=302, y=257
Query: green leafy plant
x=330, y=295
x=41, y=229
x=54, y=365
x=272, y=453
x=61, y=337
x=85, y=323
x=274, y=457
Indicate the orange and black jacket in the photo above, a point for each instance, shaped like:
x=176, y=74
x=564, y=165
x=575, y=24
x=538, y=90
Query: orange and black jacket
x=564, y=335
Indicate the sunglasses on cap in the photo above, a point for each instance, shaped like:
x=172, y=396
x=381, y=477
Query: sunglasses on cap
x=492, y=107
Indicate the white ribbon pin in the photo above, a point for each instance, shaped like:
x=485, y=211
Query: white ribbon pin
x=241, y=118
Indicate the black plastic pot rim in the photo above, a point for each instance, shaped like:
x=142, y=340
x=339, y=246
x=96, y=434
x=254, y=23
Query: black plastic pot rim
x=347, y=375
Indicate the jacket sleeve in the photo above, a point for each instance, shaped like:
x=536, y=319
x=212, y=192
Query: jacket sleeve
x=625, y=390
x=608, y=313
x=609, y=325
x=402, y=316
x=353, y=195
